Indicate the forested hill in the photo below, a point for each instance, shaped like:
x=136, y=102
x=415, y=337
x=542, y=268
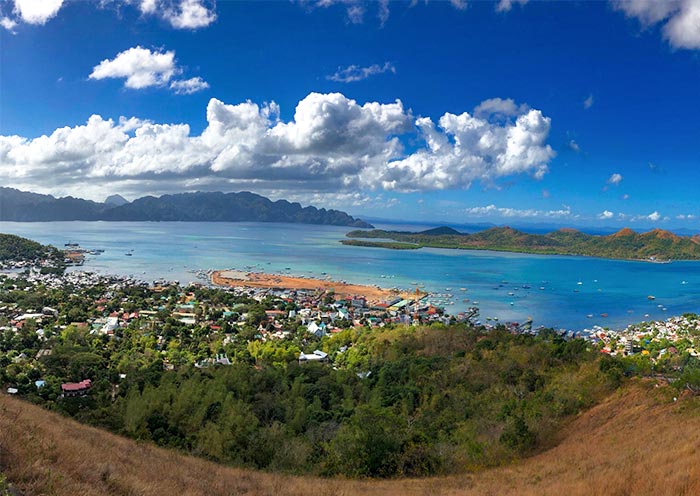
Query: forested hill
x=656, y=245
x=21, y=249
x=22, y=206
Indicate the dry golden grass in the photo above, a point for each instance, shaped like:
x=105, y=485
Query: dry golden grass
x=637, y=442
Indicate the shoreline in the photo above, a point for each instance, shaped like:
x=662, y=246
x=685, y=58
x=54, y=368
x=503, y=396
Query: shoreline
x=235, y=278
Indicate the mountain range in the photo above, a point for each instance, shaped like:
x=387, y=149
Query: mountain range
x=21, y=206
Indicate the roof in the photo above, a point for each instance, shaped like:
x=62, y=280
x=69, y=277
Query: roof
x=77, y=386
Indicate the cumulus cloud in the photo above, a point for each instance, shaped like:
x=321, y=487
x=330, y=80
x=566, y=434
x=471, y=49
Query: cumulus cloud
x=606, y=214
x=189, y=14
x=615, y=179
x=333, y=143
x=189, y=86
x=143, y=68
x=463, y=148
x=680, y=19
x=354, y=73
x=654, y=216
x=494, y=211
x=37, y=11
x=140, y=67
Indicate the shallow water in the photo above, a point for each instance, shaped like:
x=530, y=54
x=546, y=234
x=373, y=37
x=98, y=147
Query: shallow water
x=174, y=250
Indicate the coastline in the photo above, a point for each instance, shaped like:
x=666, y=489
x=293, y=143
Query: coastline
x=387, y=246
x=234, y=278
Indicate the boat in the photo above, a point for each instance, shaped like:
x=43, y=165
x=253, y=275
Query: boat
x=462, y=289
x=128, y=254
x=651, y=297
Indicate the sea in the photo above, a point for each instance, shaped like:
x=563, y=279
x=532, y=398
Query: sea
x=563, y=292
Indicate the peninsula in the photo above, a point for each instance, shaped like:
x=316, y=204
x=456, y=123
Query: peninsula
x=653, y=246
x=235, y=278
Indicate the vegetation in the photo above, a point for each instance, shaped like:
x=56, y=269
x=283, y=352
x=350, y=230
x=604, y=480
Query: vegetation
x=16, y=248
x=381, y=244
x=625, y=244
x=395, y=401
x=636, y=441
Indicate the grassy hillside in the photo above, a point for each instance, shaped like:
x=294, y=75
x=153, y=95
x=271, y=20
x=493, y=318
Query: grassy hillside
x=637, y=441
x=19, y=249
x=625, y=244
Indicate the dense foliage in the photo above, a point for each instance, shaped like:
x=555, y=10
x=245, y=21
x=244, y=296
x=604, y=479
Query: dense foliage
x=625, y=244
x=393, y=401
x=17, y=248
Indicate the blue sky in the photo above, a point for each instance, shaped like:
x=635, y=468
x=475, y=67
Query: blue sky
x=571, y=113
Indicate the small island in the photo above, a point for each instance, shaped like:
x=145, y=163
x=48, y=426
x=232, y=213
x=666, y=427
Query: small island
x=657, y=246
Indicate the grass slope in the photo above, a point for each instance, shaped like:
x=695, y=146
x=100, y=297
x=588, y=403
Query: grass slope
x=638, y=441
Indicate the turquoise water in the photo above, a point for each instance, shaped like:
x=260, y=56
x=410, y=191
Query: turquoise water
x=172, y=250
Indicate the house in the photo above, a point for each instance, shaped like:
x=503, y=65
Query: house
x=76, y=388
x=316, y=356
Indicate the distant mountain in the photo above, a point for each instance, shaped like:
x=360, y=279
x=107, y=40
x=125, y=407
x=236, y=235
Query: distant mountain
x=440, y=231
x=21, y=206
x=655, y=245
x=116, y=201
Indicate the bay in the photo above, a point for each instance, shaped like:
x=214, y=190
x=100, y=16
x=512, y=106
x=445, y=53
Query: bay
x=558, y=291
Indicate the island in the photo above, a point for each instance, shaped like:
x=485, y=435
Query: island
x=657, y=245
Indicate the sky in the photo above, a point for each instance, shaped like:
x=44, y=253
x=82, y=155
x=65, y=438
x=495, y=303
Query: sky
x=563, y=113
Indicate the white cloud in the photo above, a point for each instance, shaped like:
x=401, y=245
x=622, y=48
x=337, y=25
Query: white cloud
x=355, y=73
x=499, y=107
x=494, y=211
x=588, y=102
x=333, y=144
x=654, y=216
x=189, y=14
x=139, y=66
x=606, y=214
x=680, y=19
x=148, y=6
x=459, y=4
x=573, y=146
x=189, y=86
x=37, y=11
x=463, y=148
x=615, y=179
x=143, y=68
x=180, y=14
x=506, y=5
x=8, y=24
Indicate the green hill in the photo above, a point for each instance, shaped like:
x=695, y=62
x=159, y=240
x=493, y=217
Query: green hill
x=17, y=249
x=655, y=245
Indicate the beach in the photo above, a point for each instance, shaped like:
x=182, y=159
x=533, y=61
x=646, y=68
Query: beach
x=236, y=278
